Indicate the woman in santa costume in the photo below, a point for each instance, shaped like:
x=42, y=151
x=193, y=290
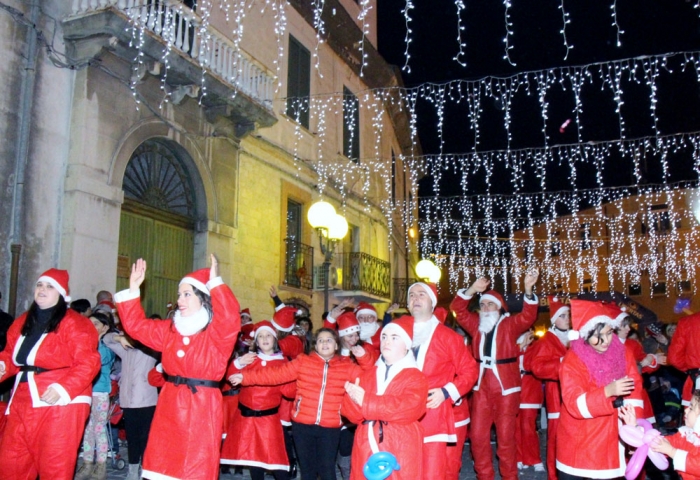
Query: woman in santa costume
x=386, y=403
x=597, y=377
x=684, y=353
x=52, y=350
x=255, y=438
x=185, y=437
x=547, y=354
x=531, y=397
x=320, y=378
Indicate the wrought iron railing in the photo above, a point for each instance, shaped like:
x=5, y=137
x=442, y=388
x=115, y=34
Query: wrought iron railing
x=299, y=265
x=363, y=272
x=400, y=294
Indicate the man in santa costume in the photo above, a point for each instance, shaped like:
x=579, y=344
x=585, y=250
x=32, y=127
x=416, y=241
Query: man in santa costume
x=366, y=315
x=496, y=398
x=547, y=354
x=284, y=320
x=450, y=370
x=684, y=353
x=386, y=403
x=531, y=397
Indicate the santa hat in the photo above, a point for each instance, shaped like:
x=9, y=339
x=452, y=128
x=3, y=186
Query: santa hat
x=403, y=327
x=495, y=297
x=247, y=330
x=441, y=314
x=246, y=313
x=198, y=279
x=364, y=308
x=263, y=325
x=347, y=324
x=59, y=280
x=283, y=319
x=556, y=307
x=586, y=314
x=430, y=288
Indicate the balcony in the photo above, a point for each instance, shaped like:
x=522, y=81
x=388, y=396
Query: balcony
x=365, y=278
x=239, y=90
x=401, y=290
x=299, y=265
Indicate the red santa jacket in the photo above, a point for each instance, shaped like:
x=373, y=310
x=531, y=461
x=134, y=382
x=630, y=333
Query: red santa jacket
x=684, y=351
x=291, y=346
x=532, y=394
x=587, y=437
x=446, y=364
x=547, y=354
x=395, y=404
x=69, y=353
x=320, y=386
x=638, y=354
x=180, y=414
x=504, y=348
x=687, y=458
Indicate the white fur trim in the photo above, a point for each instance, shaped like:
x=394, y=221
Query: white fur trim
x=265, y=328
x=126, y=295
x=253, y=463
x=366, y=311
x=157, y=476
x=530, y=405
x=561, y=310
x=65, y=398
x=159, y=368
x=685, y=403
x=349, y=330
x=440, y=437
x=280, y=307
x=196, y=284
x=452, y=390
x=214, y=282
x=280, y=328
x=634, y=403
x=329, y=318
x=490, y=298
x=56, y=285
x=462, y=423
x=394, y=328
x=587, y=327
x=429, y=291
x=534, y=300
x=598, y=474
x=238, y=364
x=583, y=406
x=679, y=460
x=554, y=415
x=463, y=294
x=573, y=335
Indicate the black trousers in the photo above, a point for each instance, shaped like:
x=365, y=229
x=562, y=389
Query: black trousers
x=565, y=476
x=137, y=423
x=257, y=473
x=316, y=448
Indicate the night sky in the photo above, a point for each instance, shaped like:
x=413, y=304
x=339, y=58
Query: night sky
x=651, y=27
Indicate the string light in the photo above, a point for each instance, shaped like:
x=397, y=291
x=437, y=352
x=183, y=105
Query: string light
x=407, y=17
x=509, y=31
x=565, y=22
x=618, y=31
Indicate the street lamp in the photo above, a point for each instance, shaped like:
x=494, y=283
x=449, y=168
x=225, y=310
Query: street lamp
x=331, y=227
x=427, y=270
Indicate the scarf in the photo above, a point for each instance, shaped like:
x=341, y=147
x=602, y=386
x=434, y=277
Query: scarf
x=192, y=324
x=603, y=367
x=562, y=335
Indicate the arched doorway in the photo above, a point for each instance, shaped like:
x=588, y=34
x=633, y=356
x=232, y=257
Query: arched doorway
x=157, y=220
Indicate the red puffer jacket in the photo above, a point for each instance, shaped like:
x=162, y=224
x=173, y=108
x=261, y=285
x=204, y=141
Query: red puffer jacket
x=320, y=386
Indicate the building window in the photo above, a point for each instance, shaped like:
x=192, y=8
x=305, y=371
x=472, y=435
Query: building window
x=634, y=290
x=658, y=289
x=298, y=82
x=587, y=285
x=351, y=126
x=299, y=258
x=684, y=287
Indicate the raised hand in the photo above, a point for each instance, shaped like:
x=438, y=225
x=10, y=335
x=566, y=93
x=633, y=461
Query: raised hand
x=481, y=284
x=358, y=351
x=531, y=279
x=214, y=271
x=273, y=292
x=247, y=359
x=392, y=308
x=138, y=274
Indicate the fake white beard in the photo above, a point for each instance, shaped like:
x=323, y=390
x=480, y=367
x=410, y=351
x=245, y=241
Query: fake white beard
x=421, y=331
x=367, y=330
x=562, y=335
x=192, y=324
x=487, y=320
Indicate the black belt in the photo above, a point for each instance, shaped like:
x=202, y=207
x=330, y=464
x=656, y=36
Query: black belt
x=249, y=412
x=381, y=427
x=192, y=383
x=230, y=393
x=31, y=368
x=499, y=362
x=525, y=372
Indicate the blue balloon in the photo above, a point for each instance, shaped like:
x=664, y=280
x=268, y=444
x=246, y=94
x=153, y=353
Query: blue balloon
x=380, y=465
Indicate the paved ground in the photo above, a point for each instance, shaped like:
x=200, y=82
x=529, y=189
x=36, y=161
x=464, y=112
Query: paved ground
x=466, y=474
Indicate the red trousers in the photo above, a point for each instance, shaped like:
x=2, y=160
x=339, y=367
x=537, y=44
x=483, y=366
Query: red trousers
x=454, y=454
x=526, y=439
x=488, y=407
x=434, y=461
x=552, y=424
x=41, y=441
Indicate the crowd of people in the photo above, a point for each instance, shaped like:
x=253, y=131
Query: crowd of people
x=208, y=390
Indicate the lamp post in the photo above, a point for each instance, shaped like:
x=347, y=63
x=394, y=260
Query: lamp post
x=427, y=270
x=331, y=227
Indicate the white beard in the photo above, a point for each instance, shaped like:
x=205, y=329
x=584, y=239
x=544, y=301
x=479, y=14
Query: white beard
x=421, y=332
x=192, y=324
x=367, y=330
x=487, y=320
x=563, y=336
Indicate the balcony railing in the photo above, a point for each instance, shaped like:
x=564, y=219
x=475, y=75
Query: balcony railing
x=299, y=265
x=400, y=295
x=363, y=272
x=181, y=28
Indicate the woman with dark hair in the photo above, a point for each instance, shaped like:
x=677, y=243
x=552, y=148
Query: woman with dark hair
x=255, y=437
x=185, y=437
x=52, y=350
x=320, y=386
x=95, y=442
x=598, y=376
